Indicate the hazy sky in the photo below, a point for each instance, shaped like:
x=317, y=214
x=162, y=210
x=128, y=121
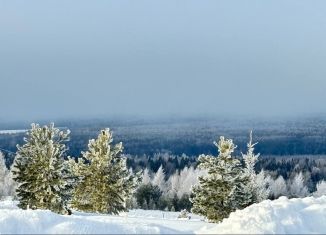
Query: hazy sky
x=101, y=58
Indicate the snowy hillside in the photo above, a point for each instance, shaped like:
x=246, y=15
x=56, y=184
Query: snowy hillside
x=307, y=215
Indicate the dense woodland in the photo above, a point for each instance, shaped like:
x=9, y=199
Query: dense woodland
x=313, y=167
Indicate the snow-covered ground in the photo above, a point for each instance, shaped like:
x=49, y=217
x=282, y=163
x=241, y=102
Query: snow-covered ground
x=307, y=215
x=281, y=216
x=14, y=220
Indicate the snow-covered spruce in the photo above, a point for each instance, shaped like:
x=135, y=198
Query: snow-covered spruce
x=181, y=183
x=258, y=184
x=320, y=189
x=224, y=189
x=159, y=179
x=278, y=187
x=105, y=182
x=155, y=192
x=297, y=187
x=7, y=184
x=38, y=169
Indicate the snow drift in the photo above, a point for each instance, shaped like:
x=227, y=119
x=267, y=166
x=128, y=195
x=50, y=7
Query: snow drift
x=281, y=216
x=17, y=221
x=301, y=215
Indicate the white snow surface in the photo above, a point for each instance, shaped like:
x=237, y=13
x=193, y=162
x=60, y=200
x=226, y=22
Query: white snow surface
x=281, y=216
x=290, y=216
x=16, y=221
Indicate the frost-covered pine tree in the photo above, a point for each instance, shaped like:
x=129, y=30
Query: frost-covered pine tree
x=257, y=185
x=181, y=183
x=146, y=178
x=71, y=180
x=159, y=179
x=188, y=179
x=250, y=158
x=3, y=176
x=278, y=187
x=297, y=187
x=105, y=182
x=321, y=189
x=173, y=184
x=262, y=186
x=223, y=189
x=7, y=184
x=38, y=169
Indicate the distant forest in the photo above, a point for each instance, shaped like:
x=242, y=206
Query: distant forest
x=305, y=136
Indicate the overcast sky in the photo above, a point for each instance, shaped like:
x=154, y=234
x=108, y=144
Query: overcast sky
x=101, y=58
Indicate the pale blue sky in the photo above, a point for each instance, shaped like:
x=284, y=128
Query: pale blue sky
x=102, y=58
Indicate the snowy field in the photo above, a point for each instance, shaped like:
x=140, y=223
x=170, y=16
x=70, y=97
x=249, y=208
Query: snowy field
x=307, y=215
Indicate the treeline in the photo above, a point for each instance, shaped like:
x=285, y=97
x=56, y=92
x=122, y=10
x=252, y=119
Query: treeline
x=172, y=192
x=157, y=191
x=313, y=168
x=171, y=163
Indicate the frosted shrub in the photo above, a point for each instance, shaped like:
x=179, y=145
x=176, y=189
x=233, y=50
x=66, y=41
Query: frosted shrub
x=321, y=189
